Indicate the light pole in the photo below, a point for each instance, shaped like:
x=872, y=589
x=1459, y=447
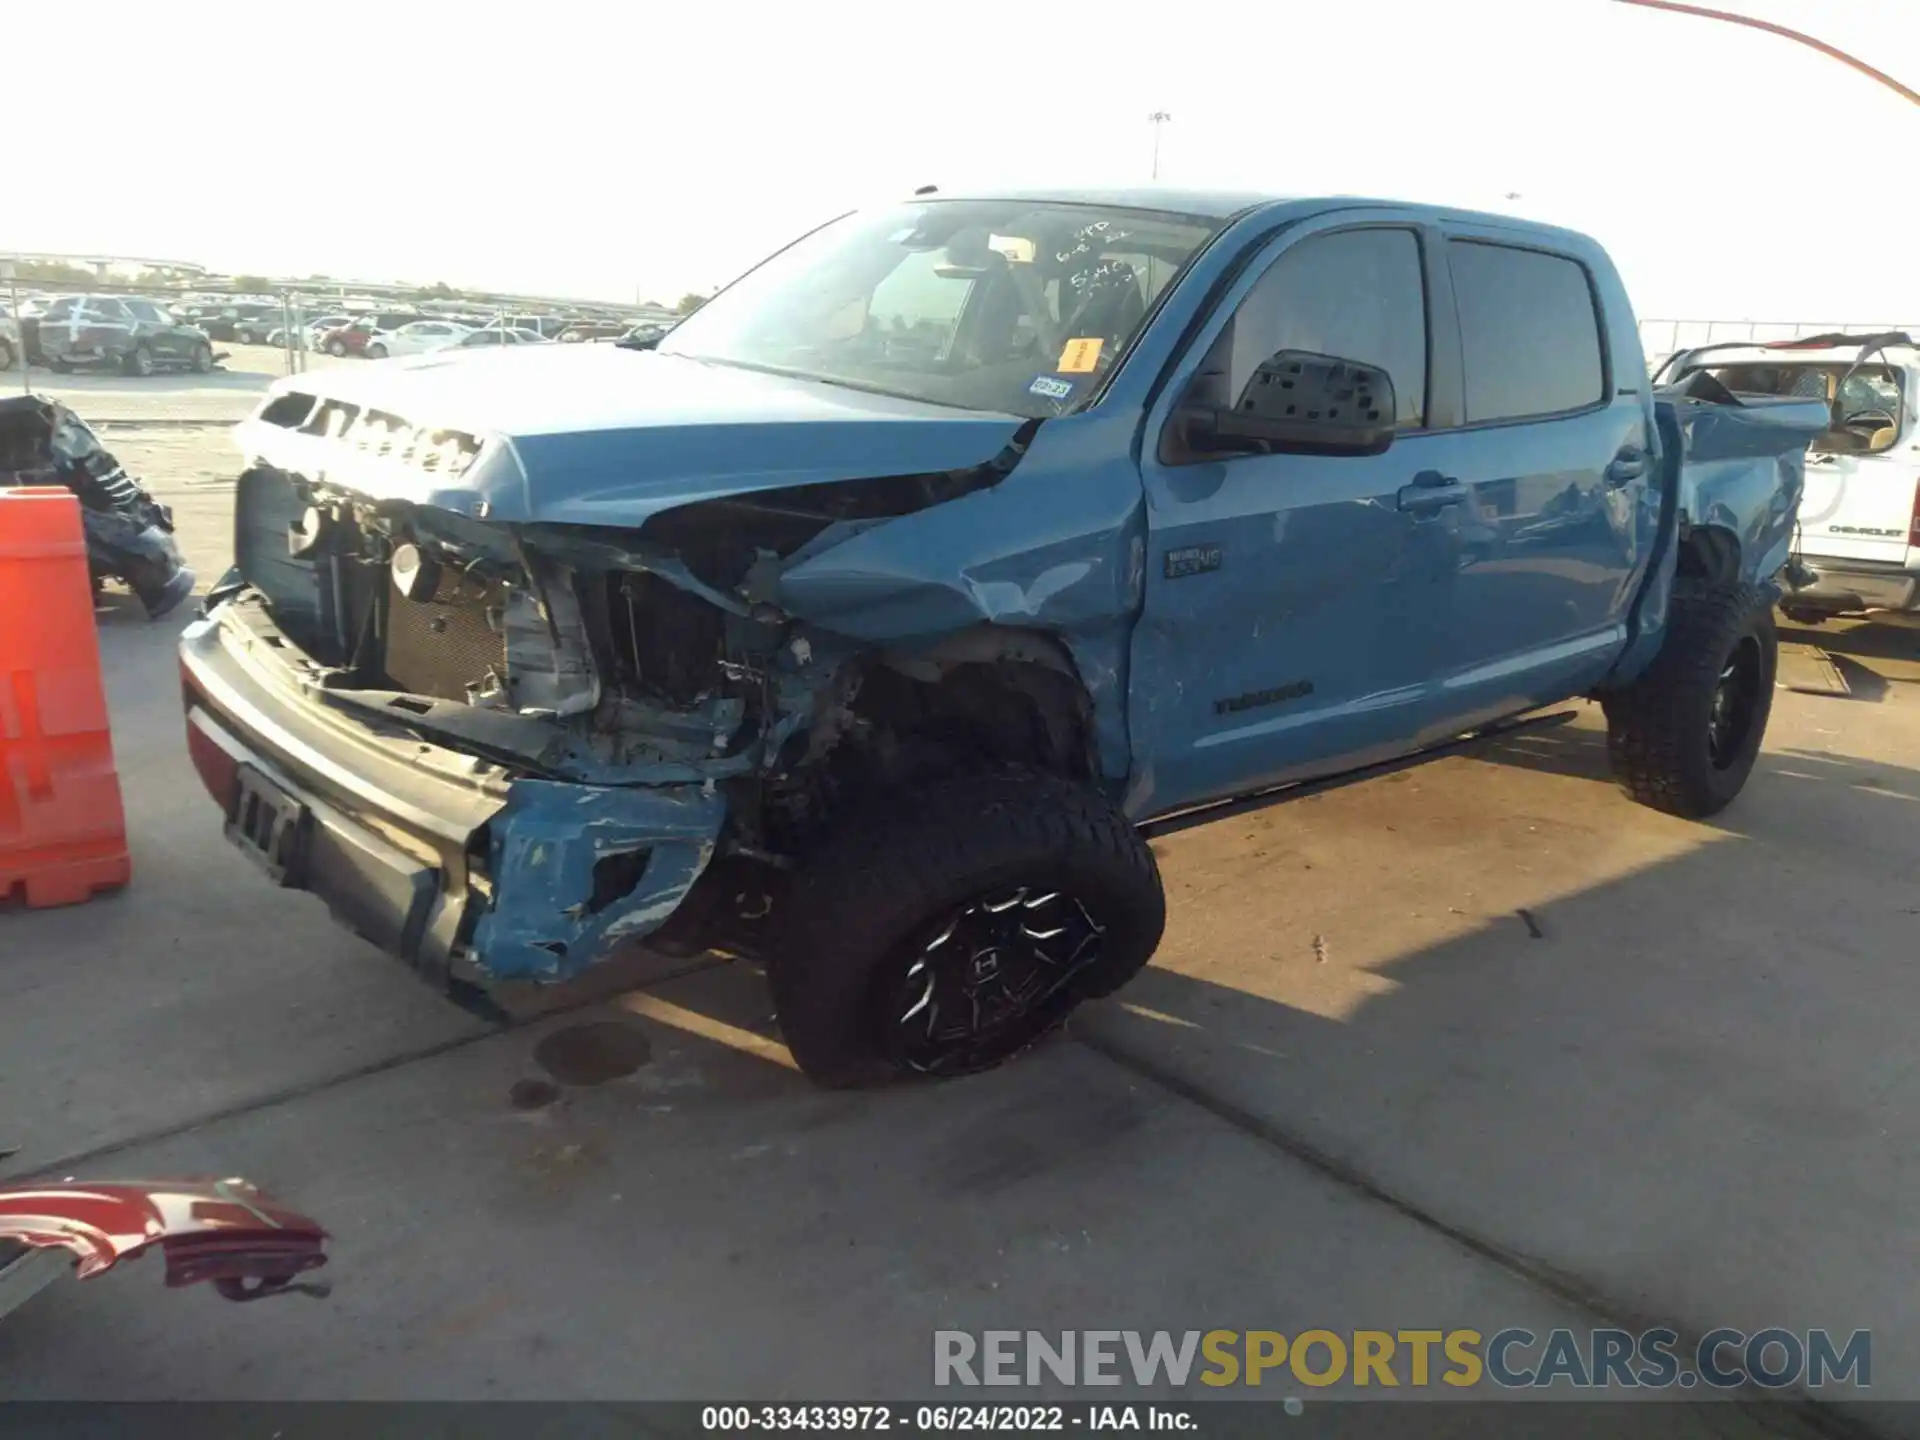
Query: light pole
x=1157, y=119
x=1704, y=13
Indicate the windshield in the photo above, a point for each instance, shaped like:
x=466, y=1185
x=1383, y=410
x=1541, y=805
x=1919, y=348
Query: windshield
x=1011, y=306
x=1865, y=399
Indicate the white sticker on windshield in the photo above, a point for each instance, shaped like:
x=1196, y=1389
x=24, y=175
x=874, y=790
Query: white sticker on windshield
x=1051, y=389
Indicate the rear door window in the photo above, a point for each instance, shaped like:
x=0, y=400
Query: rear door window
x=1529, y=332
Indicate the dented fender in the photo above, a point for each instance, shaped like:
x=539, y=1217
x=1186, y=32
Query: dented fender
x=554, y=907
x=1057, y=547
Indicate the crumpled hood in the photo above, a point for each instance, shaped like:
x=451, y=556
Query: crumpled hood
x=597, y=435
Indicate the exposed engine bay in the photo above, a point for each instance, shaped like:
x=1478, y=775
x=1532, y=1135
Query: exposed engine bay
x=585, y=662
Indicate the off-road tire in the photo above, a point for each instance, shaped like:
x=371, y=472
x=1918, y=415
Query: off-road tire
x=1658, y=727
x=139, y=361
x=885, y=872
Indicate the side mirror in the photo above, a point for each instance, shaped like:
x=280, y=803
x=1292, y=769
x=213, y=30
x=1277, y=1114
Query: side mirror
x=1299, y=402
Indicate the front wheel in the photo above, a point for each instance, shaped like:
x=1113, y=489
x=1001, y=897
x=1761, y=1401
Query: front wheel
x=140, y=361
x=337, y=349
x=376, y=352
x=202, y=359
x=944, y=931
x=1684, y=736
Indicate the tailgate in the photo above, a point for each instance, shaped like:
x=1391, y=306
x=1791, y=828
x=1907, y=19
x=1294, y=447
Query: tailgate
x=1858, y=507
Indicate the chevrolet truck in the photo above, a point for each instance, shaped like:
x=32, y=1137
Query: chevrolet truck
x=869, y=622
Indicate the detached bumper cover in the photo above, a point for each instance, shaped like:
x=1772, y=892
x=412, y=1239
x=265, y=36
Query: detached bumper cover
x=437, y=857
x=222, y=1231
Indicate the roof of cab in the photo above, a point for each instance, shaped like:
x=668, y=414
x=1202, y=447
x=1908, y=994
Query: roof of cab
x=1227, y=204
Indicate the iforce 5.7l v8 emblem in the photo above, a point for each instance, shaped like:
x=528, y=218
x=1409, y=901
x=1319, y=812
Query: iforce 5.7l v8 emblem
x=1192, y=560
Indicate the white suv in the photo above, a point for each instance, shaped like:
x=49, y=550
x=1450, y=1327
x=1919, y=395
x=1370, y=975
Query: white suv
x=1860, y=514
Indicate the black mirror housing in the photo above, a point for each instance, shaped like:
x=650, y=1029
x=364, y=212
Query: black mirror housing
x=1300, y=402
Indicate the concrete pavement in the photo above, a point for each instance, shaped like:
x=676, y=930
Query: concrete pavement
x=1687, y=1098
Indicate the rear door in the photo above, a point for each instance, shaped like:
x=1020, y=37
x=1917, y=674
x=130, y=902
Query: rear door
x=1554, y=465
x=163, y=339
x=112, y=321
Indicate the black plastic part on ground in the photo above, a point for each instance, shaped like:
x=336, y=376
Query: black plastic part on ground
x=129, y=533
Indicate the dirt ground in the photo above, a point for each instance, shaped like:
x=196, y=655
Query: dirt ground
x=1479, y=1043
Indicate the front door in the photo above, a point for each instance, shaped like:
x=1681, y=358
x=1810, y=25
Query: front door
x=1295, y=604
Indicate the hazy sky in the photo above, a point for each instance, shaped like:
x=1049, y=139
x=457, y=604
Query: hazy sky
x=596, y=149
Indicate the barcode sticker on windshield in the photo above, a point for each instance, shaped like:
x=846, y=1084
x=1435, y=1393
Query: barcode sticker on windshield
x=1050, y=388
x=1080, y=356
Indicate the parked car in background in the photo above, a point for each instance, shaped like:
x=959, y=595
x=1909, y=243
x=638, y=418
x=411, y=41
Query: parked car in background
x=547, y=325
x=644, y=337
x=354, y=338
x=130, y=332
x=253, y=322
x=247, y=322
x=581, y=330
x=1860, y=516
x=308, y=333
x=417, y=337
x=31, y=312
x=499, y=335
x=883, y=662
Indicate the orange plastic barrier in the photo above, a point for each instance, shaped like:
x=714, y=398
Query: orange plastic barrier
x=63, y=834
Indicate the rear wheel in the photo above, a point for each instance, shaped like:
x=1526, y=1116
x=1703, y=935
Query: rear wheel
x=376, y=351
x=1684, y=736
x=945, y=930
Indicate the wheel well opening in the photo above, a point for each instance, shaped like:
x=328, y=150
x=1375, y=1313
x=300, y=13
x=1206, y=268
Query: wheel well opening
x=911, y=720
x=1000, y=710
x=1709, y=553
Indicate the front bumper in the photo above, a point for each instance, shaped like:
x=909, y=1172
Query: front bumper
x=1857, y=587
x=452, y=863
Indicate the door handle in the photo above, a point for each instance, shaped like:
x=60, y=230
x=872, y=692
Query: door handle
x=1629, y=464
x=1431, y=490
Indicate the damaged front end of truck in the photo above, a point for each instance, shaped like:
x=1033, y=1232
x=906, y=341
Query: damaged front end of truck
x=518, y=742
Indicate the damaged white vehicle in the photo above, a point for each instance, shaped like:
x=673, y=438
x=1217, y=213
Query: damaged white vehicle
x=1860, y=516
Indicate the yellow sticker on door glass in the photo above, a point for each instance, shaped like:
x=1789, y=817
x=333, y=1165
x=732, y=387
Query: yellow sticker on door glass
x=1080, y=356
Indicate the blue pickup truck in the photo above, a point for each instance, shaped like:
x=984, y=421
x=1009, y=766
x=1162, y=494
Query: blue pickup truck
x=868, y=622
